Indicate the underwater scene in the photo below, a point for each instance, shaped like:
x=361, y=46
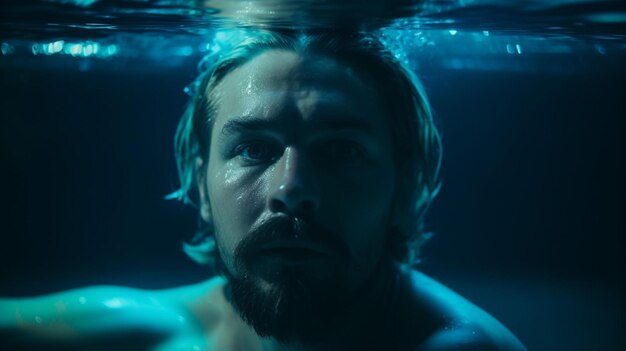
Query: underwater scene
x=528, y=96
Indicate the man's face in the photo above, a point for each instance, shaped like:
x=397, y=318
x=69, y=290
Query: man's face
x=300, y=179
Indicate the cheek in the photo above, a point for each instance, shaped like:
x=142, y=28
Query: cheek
x=235, y=203
x=366, y=207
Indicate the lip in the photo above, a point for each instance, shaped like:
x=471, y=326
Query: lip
x=295, y=250
x=295, y=245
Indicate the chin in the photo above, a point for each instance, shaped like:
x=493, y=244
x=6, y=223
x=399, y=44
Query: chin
x=289, y=309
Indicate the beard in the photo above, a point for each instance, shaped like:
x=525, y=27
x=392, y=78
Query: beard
x=293, y=304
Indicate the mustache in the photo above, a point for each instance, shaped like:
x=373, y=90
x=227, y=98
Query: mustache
x=290, y=229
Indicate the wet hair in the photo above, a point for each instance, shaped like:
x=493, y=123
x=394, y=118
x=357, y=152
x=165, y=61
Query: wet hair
x=416, y=140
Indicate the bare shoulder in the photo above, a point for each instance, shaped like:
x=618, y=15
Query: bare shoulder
x=99, y=306
x=459, y=324
x=203, y=301
x=112, y=317
x=221, y=326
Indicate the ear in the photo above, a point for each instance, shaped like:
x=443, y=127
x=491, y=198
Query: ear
x=205, y=208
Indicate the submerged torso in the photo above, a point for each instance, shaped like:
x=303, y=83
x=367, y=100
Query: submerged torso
x=422, y=314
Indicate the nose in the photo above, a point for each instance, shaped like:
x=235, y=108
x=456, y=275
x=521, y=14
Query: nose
x=294, y=189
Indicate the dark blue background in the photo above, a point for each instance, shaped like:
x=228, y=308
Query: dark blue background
x=529, y=222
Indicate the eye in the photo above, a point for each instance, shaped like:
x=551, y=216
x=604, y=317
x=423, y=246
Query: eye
x=343, y=151
x=256, y=151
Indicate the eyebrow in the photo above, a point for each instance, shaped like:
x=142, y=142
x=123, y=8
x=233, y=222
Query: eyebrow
x=333, y=123
x=247, y=123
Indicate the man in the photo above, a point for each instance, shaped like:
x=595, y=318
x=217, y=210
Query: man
x=313, y=159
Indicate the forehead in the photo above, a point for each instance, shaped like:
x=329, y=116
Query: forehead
x=279, y=81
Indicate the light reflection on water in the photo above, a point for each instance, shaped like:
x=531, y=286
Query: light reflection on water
x=461, y=34
x=93, y=18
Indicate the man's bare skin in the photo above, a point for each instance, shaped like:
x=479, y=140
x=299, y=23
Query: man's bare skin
x=428, y=316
